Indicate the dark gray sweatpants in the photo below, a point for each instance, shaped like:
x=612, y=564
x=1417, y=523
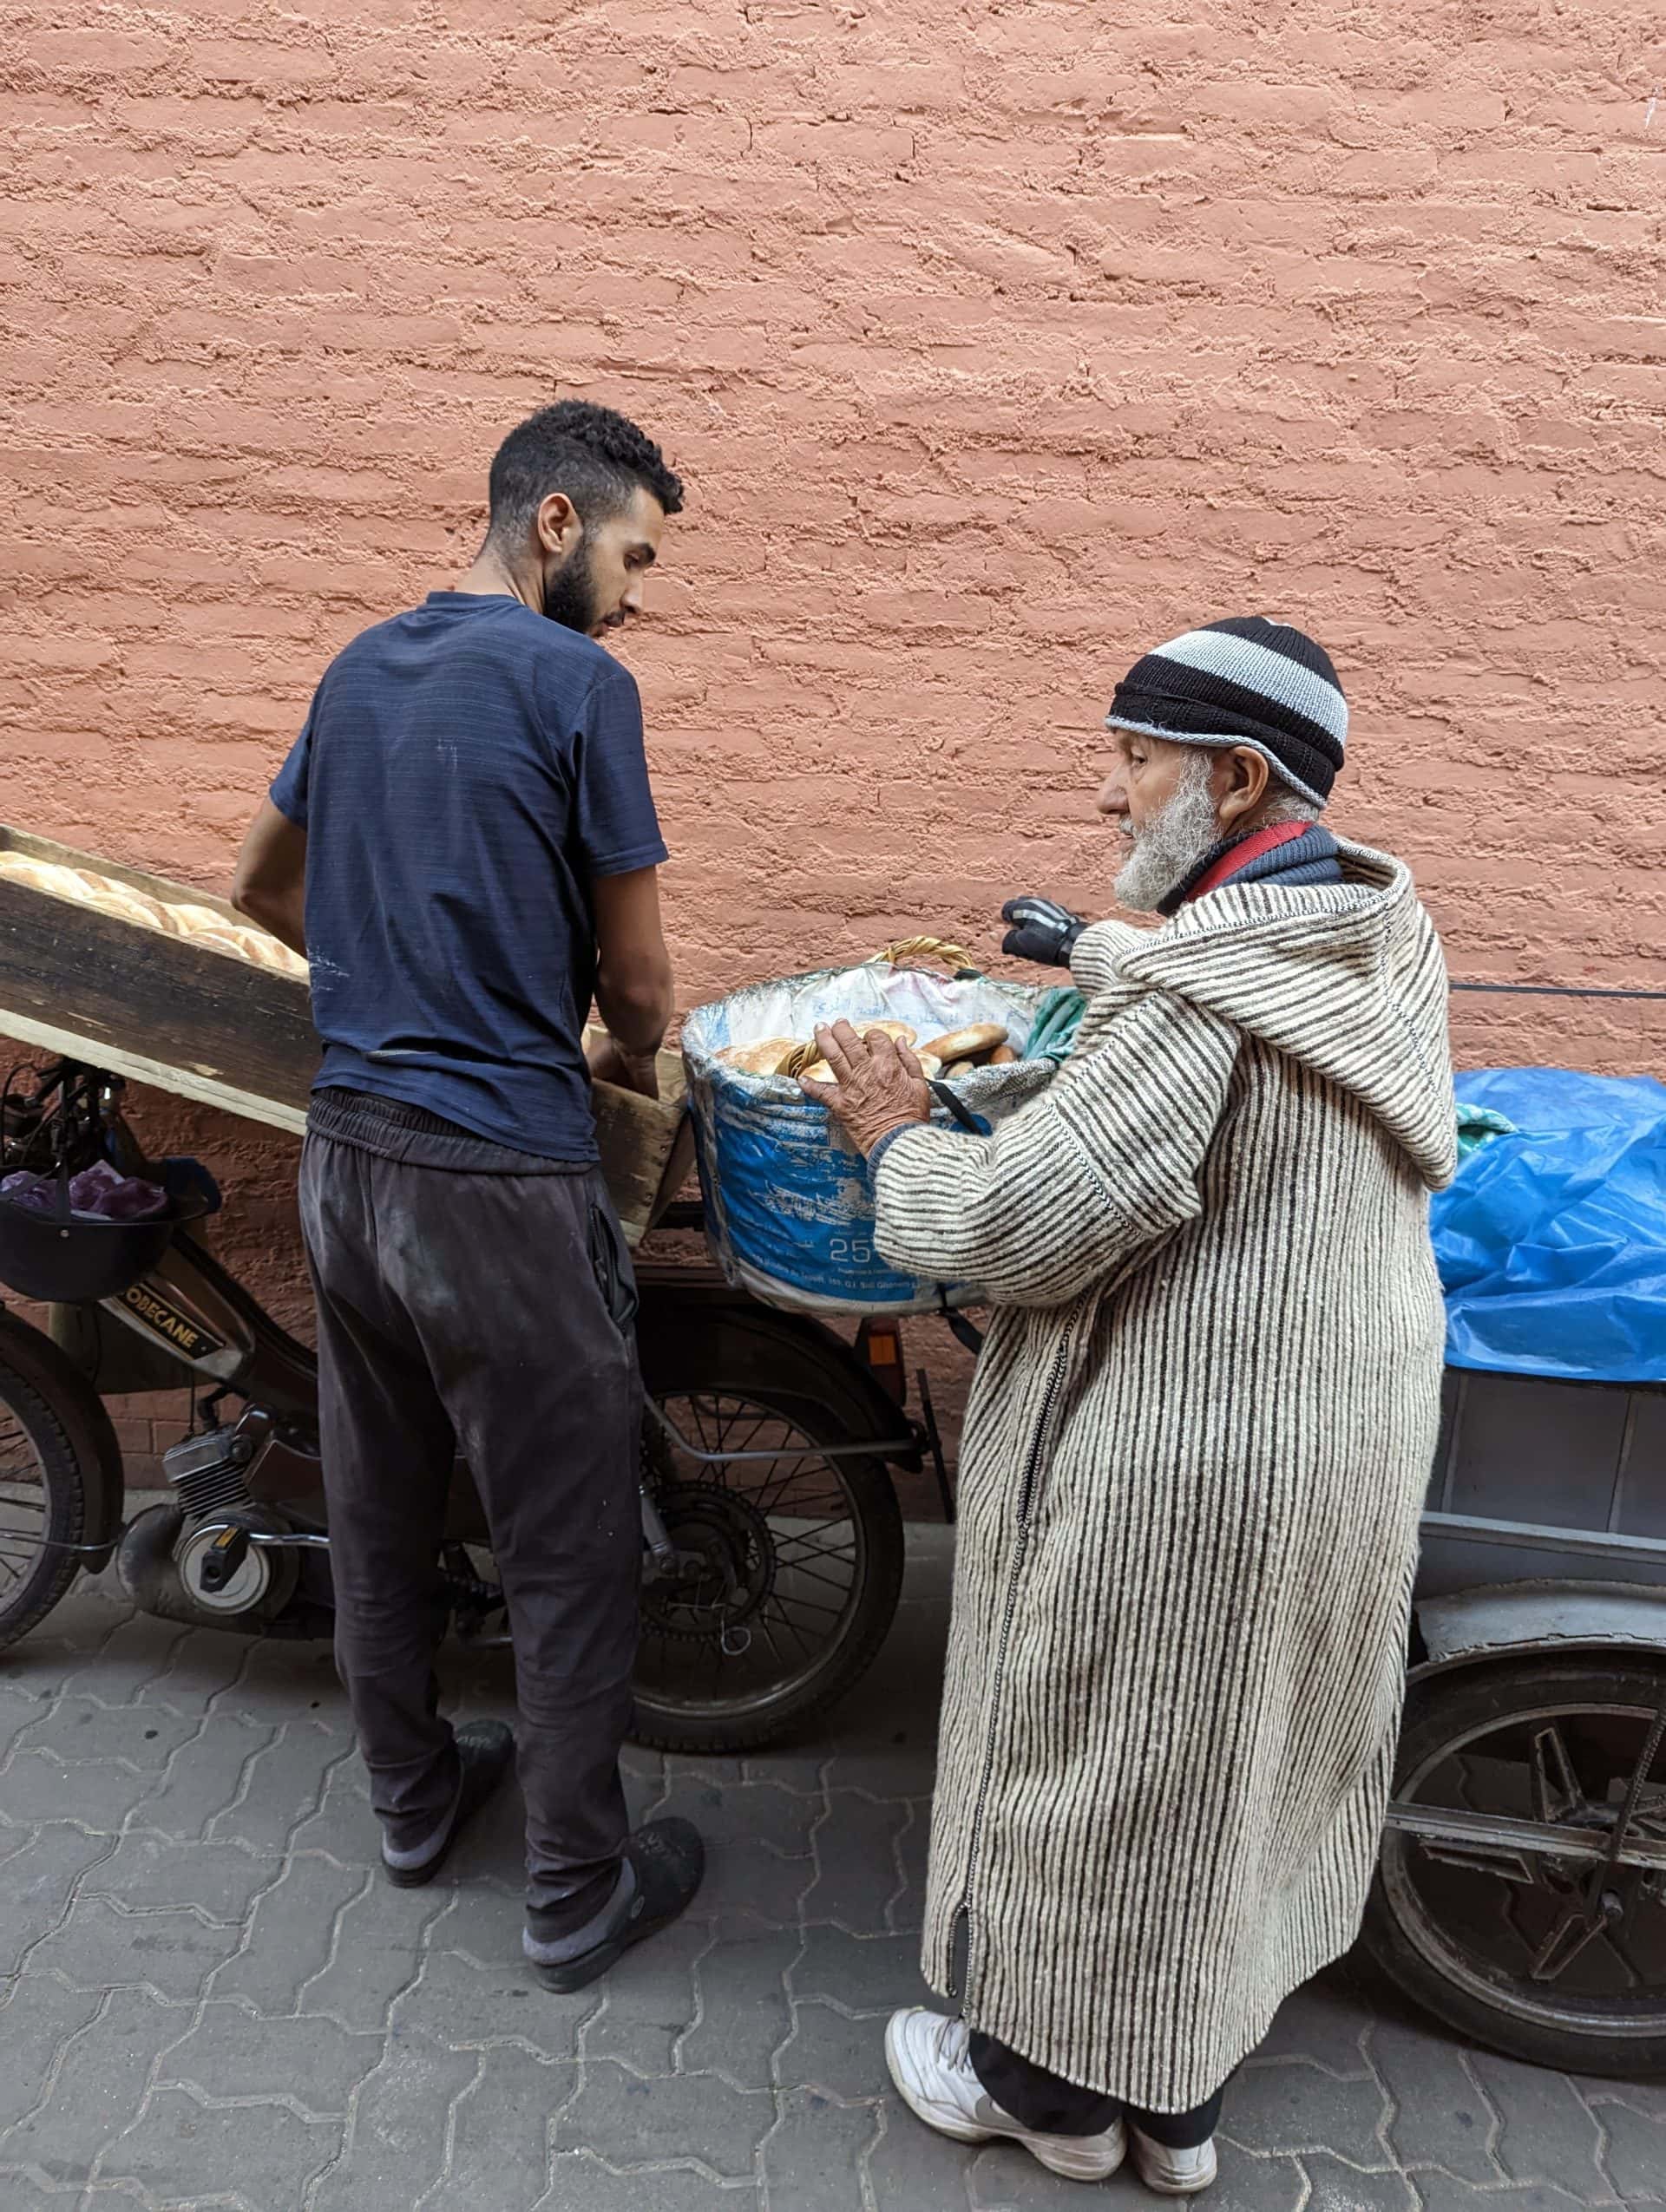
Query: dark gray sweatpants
x=467, y=1300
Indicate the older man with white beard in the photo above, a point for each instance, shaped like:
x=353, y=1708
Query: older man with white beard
x=1198, y=1435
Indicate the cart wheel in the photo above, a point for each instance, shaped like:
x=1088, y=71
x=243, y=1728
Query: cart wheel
x=43, y=1493
x=1487, y=1933
x=786, y=1570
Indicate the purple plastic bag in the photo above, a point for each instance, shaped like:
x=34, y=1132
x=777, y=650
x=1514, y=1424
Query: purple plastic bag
x=37, y=1194
x=99, y=1193
x=104, y=1193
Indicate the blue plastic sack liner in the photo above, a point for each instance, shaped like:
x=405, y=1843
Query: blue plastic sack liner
x=1552, y=1243
x=789, y=1210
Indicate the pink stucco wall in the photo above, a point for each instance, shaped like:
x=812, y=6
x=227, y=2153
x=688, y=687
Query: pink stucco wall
x=995, y=341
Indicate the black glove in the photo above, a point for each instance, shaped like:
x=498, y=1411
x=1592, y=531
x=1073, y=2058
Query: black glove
x=1041, y=931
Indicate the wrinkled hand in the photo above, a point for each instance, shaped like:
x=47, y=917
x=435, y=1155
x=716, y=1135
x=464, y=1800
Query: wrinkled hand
x=611, y=1063
x=879, y=1085
x=1042, y=931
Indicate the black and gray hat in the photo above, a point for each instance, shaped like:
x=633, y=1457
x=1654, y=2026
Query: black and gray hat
x=1243, y=682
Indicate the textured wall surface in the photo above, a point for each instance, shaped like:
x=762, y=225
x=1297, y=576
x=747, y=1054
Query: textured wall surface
x=996, y=342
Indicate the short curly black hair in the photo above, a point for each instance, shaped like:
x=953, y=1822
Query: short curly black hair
x=595, y=454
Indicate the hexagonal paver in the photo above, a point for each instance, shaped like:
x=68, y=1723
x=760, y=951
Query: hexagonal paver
x=38, y=2016
x=181, y=2152
x=465, y=2006
x=204, y=1778
x=1340, y=2187
x=742, y=2013
x=82, y=1728
x=498, y=2152
x=1637, y=2149
x=862, y=1972
x=377, y=1952
x=830, y=2050
x=37, y=1881
x=1442, y=2193
x=858, y=1869
x=232, y=2052
x=289, y=1936
x=278, y=1788
x=1441, y=2117
x=100, y=1946
x=647, y=2003
x=1547, y=2132
x=153, y=1873
x=97, y=2086
x=629, y=2122
x=94, y=1793
x=579, y=2181
x=395, y=2146
x=1289, y=2106
x=814, y=2153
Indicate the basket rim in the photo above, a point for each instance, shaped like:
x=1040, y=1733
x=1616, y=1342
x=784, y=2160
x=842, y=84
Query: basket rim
x=190, y=1207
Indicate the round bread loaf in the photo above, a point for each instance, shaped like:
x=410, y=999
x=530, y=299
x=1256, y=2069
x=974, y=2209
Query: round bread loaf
x=267, y=952
x=41, y=875
x=57, y=882
x=191, y=921
x=208, y=929
x=819, y=1071
x=126, y=903
x=971, y=1043
x=763, y=1058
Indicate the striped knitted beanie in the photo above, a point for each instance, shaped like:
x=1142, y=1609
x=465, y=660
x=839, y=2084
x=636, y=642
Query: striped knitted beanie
x=1244, y=682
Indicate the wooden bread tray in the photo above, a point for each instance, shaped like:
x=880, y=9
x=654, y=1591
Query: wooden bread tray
x=184, y=1019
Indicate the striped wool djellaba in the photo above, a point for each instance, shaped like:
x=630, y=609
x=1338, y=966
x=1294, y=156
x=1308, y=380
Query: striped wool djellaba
x=1193, y=1466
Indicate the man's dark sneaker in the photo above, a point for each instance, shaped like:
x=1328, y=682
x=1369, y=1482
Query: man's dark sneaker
x=663, y=1864
x=486, y=1750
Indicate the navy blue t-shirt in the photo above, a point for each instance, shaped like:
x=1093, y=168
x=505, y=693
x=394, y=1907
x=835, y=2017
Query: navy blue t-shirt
x=466, y=772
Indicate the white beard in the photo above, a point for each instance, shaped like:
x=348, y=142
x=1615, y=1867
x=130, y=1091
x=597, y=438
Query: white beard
x=1172, y=842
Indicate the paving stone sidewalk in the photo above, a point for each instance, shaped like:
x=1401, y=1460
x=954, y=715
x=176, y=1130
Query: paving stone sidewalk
x=209, y=1998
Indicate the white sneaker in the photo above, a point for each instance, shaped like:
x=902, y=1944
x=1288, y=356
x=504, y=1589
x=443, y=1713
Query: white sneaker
x=1173, y=2173
x=928, y=2055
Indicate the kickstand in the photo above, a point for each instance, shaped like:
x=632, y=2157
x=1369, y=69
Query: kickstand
x=934, y=1443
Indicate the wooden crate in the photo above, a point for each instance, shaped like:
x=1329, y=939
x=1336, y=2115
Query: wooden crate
x=183, y=1018
x=155, y=1008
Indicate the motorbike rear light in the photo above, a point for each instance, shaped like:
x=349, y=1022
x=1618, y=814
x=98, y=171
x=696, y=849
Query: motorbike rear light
x=879, y=1341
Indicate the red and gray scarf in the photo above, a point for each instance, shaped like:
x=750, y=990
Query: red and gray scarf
x=1287, y=852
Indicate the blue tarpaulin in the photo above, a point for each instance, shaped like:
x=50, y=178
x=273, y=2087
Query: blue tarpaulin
x=1552, y=1243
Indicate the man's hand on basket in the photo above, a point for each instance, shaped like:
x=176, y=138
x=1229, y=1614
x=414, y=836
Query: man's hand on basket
x=611, y=1063
x=878, y=1084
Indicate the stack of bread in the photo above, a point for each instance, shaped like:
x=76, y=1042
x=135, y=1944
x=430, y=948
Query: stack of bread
x=203, y=925
x=981, y=1044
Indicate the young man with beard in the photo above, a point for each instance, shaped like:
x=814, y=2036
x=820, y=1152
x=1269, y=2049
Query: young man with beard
x=1199, y=1438
x=463, y=842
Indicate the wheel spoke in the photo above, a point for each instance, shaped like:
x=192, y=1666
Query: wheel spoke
x=827, y=1582
x=784, y=1598
x=1556, y=1793
x=804, y=1536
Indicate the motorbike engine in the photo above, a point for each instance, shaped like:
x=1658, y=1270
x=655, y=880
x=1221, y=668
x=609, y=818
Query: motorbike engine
x=193, y=1560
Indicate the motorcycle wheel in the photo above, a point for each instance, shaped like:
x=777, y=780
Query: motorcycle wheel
x=1464, y=1928
x=44, y=1492
x=789, y=1563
